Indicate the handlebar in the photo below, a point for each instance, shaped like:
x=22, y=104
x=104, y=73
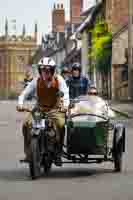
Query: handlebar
x=24, y=110
x=49, y=112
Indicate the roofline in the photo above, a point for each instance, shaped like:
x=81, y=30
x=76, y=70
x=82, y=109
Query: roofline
x=122, y=29
x=86, y=12
x=91, y=16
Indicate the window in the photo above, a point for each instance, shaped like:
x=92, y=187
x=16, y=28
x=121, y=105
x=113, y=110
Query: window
x=124, y=73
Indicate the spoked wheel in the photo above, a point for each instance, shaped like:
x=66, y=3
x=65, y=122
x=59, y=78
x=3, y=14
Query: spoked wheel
x=34, y=165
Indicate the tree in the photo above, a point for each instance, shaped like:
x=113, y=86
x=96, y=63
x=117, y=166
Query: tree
x=101, y=51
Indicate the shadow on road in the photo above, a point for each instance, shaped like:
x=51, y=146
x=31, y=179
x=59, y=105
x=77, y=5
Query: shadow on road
x=77, y=172
x=14, y=175
x=22, y=174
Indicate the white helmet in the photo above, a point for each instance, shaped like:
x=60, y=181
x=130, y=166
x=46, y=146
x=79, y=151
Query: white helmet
x=47, y=62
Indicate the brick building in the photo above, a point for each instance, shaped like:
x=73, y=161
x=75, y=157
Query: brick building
x=15, y=54
x=75, y=11
x=58, y=18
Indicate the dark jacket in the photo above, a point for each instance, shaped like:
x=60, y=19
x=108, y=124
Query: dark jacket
x=78, y=86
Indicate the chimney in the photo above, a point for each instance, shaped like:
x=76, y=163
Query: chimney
x=58, y=19
x=75, y=11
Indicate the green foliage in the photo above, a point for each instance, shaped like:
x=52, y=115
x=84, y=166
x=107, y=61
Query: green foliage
x=101, y=47
x=2, y=93
x=10, y=94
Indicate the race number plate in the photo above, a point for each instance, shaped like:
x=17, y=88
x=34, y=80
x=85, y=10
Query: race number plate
x=39, y=124
x=43, y=123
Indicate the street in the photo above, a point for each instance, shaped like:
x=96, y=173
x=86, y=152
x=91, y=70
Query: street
x=72, y=182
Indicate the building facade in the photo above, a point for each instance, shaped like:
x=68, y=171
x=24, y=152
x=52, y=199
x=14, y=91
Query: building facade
x=116, y=14
x=117, y=18
x=119, y=64
x=15, y=55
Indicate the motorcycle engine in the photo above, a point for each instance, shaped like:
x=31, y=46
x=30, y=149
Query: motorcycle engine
x=51, y=133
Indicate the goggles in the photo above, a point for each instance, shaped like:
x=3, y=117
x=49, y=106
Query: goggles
x=75, y=69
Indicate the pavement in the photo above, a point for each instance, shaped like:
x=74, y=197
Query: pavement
x=123, y=107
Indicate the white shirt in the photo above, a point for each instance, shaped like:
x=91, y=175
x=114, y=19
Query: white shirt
x=32, y=89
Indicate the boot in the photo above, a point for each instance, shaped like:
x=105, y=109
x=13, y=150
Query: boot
x=26, y=135
x=58, y=160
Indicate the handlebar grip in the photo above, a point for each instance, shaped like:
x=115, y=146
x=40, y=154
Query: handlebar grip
x=23, y=109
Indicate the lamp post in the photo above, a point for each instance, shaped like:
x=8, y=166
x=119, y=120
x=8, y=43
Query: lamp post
x=130, y=53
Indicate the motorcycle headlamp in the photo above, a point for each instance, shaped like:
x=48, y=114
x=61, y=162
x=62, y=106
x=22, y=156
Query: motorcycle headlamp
x=37, y=115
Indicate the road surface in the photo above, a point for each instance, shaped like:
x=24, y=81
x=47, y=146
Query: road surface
x=80, y=182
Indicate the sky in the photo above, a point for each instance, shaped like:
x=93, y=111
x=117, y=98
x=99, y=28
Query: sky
x=28, y=12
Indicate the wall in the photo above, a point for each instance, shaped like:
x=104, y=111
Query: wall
x=120, y=43
x=14, y=56
x=116, y=13
x=84, y=53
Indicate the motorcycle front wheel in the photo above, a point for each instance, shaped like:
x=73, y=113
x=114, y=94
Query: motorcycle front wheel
x=34, y=165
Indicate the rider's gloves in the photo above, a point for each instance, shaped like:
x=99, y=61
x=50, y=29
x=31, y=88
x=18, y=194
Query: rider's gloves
x=63, y=109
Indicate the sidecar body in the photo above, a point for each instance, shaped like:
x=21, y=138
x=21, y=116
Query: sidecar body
x=89, y=131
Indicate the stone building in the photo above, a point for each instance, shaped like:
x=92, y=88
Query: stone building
x=119, y=64
x=116, y=14
x=117, y=18
x=15, y=55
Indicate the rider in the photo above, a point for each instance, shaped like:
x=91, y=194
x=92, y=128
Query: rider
x=66, y=74
x=28, y=78
x=78, y=84
x=46, y=88
x=92, y=91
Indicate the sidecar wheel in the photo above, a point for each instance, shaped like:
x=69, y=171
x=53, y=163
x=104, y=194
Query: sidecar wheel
x=118, y=155
x=118, y=147
x=118, y=162
x=34, y=165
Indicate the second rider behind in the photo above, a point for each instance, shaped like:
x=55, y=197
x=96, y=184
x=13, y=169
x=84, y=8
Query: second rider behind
x=78, y=84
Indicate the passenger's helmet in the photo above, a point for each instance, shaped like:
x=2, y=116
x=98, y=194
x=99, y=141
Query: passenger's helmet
x=65, y=70
x=76, y=66
x=47, y=63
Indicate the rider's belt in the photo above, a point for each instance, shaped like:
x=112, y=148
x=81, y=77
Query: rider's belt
x=46, y=108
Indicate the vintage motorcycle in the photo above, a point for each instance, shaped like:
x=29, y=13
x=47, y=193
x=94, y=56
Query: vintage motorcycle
x=43, y=142
x=87, y=137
